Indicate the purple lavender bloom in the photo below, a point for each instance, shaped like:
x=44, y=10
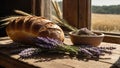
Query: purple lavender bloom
x=95, y=50
x=47, y=42
x=29, y=52
x=85, y=51
x=90, y=51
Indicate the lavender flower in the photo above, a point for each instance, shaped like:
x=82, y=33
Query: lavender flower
x=107, y=48
x=53, y=45
x=85, y=51
x=29, y=52
x=47, y=42
x=93, y=52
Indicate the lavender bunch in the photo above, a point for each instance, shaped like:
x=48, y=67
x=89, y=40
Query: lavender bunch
x=54, y=45
x=47, y=42
x=47, y=45
x=29, y=52
x=90, y=52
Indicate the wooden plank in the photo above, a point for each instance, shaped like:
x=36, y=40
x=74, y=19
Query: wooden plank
x=77, y=13
x=33, y=6
x=112, y=39
x=84, y=13
x=46, y=9
x=70, y=12
x=59, y=61
x=38, y=8
x=8, y=62
x=41, y=8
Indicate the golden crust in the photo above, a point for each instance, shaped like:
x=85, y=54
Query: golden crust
x=23, y=28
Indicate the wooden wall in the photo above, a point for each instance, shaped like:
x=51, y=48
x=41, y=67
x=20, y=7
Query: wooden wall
x=7, y=8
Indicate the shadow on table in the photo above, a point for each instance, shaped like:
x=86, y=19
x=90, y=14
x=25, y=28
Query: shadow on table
x=15, y=48
x=116, y=64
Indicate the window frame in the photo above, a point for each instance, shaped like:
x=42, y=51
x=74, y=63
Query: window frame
x=82, y=17
x=41, y=8
x=77, y=13
x=36, y=7
x=81, y=12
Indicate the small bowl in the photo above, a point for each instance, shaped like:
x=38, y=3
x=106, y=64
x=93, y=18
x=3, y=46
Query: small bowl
x=86, y=39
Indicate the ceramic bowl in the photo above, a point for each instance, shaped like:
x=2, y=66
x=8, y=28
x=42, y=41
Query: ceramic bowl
x=86, y=39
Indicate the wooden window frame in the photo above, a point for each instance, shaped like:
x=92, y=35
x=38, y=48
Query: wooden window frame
x=78, y=14
x=41, y=8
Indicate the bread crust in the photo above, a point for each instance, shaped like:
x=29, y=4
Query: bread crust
x=23, y=29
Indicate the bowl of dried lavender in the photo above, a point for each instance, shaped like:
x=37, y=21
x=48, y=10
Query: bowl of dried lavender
x=84, y=36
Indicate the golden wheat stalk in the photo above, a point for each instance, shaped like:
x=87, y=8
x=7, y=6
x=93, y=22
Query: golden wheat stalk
x=6, y=20
x=64, y=23
x=14, y=17
x=57, y=9
x=59, y=18
x=22, y=13
x=9, y=18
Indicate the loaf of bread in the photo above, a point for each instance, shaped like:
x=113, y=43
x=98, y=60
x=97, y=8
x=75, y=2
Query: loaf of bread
x=24, y=28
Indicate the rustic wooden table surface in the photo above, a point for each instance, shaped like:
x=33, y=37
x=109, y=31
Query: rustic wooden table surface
x=11, y=61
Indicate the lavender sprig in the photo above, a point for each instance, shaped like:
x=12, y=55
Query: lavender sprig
x=29, y=52
x=47, y=42
x=53, y=45
x=85, y=51
x=93, y=52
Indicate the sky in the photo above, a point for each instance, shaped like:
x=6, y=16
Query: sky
x=103, y=2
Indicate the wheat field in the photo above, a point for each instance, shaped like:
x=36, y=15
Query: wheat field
x=106, y=22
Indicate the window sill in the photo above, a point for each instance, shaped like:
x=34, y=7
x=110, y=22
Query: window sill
x=111, y=37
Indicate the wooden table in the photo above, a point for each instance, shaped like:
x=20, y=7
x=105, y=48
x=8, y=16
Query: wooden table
x=11, y=61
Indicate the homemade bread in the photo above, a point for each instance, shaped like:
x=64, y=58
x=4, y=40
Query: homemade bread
x=24, y=28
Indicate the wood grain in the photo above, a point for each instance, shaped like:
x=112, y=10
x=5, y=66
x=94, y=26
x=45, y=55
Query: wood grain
x=77, y=13
x=84, y=13
x=70, y=12
x=55, y=61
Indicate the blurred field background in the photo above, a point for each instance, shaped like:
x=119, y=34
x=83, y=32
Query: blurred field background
x=104, y=18
x=106, y=22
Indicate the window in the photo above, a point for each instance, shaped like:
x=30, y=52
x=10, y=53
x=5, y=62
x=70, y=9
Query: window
x=105, y=18
x=105, y=15
x=78, y=14
x=81, y=16
x=60, y=4
x=43, y=7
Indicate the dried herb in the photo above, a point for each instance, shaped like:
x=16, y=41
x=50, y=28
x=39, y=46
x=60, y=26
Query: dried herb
x=29, y=52
x=90, y=52
x=47, y=42
x=58, y=17
x=54, y=46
